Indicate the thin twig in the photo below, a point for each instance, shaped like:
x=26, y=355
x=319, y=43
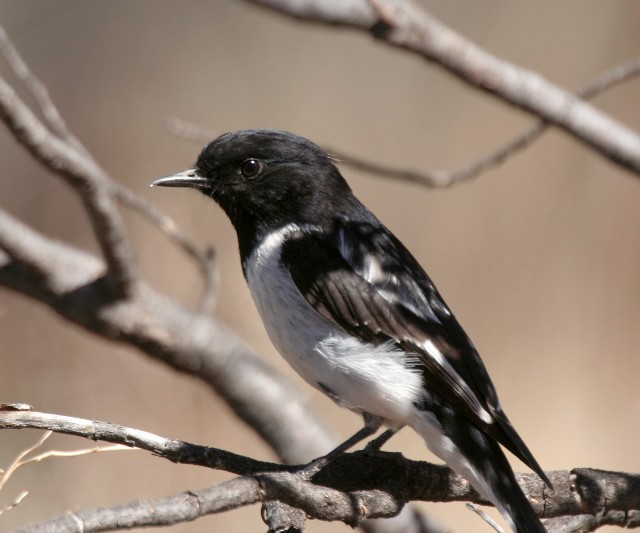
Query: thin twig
x=74, y=453
x=482, y=514
x=204, y=260
x=611, y=77
x=440, y=178
x=17, y=462
x=15, y=502
x=38, y=90
x=189, y=130
x=22, y=460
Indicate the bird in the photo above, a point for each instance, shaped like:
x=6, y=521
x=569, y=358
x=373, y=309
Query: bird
x=353, y=312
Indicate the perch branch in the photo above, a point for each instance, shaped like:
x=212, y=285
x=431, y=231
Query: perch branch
x=380, y=483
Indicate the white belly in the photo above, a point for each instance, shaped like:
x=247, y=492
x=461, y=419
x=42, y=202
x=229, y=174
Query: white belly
x=375, y=380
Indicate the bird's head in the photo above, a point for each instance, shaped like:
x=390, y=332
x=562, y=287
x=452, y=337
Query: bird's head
x=266, y=177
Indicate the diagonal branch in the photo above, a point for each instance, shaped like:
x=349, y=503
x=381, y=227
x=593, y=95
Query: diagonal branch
x=441, y=178
x=81, y=172
x=38, y=90
x=406, y=25
x=69, y=281
x=174, y=450
x=86, y=177
x=446, y=178
x=60, y=131
x=205, y=260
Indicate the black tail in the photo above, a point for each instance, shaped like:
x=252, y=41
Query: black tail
x=509, y=498
x=516, y=445
x=491, y=465
x=480, y=460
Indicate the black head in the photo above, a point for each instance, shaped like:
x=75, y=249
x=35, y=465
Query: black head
x=264, y=179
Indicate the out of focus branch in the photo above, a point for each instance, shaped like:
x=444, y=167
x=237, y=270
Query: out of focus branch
x=440, y=178
x=39, y=92
x=585, y=523
x=59, y=129
x=205, y=260
x=404, y=24
x=354, y=487
x=86, y=177
x=446, y=178
x=70, y=282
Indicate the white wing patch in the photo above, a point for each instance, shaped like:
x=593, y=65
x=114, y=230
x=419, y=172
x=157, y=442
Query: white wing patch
x=386, y=284
x=372, y=270
x=433, y=352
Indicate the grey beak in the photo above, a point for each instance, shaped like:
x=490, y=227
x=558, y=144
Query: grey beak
x=188, y=178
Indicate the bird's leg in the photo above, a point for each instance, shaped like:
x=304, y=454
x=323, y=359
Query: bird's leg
x=381, y=440
x=371, y=425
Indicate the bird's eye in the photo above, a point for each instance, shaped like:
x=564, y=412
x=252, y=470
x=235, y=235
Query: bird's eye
x=250, y=168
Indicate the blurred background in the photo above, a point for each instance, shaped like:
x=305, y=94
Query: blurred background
x=539, y=259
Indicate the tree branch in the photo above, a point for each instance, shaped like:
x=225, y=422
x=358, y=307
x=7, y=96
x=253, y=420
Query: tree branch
x=91, y=182
x=177, y=509
x=447, y=178
x=70, y=282
x=405, y=25
x=38, y=91
x=59, y=128
x=205, y=261
x=441, y=178
x=176, y=451
x=354, y=487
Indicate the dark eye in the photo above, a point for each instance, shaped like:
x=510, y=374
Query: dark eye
x=250, y=168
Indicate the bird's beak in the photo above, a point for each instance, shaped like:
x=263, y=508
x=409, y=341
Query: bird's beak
x=188, y=178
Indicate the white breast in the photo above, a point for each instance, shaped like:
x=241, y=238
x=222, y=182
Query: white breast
x=363, y=377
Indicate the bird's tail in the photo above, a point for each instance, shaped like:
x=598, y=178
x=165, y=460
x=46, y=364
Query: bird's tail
x=478, y=458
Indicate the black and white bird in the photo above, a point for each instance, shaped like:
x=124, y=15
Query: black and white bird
x=352, y=311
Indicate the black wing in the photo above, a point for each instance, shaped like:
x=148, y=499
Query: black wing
x=387, y=296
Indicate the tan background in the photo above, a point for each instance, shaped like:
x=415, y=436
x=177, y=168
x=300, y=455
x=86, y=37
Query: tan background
x=539, y=259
